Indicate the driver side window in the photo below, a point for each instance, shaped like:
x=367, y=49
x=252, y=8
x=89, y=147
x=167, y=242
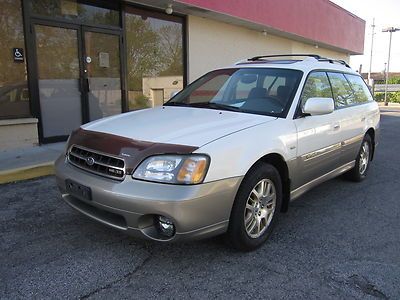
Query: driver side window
x=317, y=85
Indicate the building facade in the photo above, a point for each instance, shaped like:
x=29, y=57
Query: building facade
x=68, y=62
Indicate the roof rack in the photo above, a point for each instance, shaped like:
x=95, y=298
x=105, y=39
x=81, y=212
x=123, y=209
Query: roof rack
x=255, y=58
x=316, y=56
x=332, y=61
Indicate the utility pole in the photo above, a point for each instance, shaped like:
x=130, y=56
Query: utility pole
x=372, y=48
x=390, y=30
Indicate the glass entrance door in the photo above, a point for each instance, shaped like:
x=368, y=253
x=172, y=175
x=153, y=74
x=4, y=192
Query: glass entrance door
x=58, y=80
x=103, y=74
x=79, y=77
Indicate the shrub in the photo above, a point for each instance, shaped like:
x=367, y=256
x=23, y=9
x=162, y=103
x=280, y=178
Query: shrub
x=393, y=97
x=142, y=101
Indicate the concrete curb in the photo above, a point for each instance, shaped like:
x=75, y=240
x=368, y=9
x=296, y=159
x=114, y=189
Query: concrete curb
x=28, y=172
x=390, y=104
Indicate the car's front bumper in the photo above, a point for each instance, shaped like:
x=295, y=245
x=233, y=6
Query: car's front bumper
x=197, y=211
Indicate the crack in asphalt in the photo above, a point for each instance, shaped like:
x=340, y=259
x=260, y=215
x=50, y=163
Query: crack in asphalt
x=366, y=287
x=110, y=284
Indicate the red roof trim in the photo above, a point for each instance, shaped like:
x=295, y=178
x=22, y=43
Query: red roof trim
x=317, y=20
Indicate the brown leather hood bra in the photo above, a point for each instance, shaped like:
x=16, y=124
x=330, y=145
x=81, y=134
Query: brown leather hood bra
x=133, y=152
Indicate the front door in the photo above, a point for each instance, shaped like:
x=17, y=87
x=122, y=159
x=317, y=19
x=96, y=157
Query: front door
x=78, y=77
x=319, y=137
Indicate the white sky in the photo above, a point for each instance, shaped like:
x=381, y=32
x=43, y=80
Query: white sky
x=387, y=14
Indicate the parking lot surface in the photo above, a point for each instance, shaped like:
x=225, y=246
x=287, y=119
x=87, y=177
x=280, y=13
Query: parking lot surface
x=340, y=240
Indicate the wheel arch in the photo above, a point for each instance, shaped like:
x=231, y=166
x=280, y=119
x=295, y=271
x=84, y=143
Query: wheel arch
x=279, y=163
x=371, y=133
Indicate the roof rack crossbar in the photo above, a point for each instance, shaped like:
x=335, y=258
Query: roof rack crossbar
x=316, y=56
x=255, y=58
x=332, y=61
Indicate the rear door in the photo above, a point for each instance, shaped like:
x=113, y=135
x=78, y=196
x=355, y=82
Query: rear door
x=319, y=139
x=350, y=116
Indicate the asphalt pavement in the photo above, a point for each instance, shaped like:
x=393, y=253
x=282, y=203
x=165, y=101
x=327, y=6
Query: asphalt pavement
x=339, y=241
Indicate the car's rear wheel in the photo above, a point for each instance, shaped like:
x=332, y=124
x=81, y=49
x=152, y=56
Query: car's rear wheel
x=256, y=208
x=359, y=172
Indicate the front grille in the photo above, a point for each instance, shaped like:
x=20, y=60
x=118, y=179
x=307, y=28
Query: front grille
x=96, y=162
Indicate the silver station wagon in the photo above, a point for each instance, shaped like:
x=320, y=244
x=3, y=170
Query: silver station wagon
x=227, y=154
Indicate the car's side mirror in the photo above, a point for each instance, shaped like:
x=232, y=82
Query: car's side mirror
x=318, y=106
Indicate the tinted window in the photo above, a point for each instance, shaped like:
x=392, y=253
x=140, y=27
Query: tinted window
x=14, y=96
x=360, y=89
x=245, y=90
x=76, y=11
x=211, y=89
x=317, y=85
x=342, y=92
x=154, y=45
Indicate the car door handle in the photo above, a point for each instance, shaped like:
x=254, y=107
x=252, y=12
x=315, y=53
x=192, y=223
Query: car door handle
x=362, y=119
x=336, y=126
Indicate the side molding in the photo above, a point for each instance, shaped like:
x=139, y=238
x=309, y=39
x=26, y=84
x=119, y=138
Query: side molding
x=332, y=174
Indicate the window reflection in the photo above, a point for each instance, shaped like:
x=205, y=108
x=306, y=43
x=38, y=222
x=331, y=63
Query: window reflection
x=58, y=70
x=14, y=96
x=73, y=10
x=103, y=74
x=154, y=58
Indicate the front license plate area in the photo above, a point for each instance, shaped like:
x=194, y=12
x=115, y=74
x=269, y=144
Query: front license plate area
x=78, y=190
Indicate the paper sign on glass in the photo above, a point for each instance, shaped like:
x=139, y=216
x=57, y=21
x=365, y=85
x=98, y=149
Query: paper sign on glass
x=104, y=59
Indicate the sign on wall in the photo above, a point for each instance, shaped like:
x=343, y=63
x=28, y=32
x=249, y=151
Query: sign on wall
x=18, y=54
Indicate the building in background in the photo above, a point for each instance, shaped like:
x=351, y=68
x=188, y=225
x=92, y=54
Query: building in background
x=64, y=63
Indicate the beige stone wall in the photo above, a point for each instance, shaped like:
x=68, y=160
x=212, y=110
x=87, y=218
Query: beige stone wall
x=18, y=133
x=214, y=44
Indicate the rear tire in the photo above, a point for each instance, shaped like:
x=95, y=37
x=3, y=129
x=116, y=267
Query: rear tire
x=360, y=170
x=256, y=208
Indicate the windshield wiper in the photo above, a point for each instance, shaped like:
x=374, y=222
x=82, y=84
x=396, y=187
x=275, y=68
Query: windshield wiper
x=214, y=105
x=176, y=104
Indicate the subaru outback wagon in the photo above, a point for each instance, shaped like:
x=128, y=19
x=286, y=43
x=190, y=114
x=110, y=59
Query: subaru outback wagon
x=226, y=154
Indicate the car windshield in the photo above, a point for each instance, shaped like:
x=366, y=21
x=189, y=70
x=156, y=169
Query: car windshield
x=265, y=91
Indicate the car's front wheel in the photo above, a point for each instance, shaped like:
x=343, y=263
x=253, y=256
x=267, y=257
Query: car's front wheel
x=256, y=208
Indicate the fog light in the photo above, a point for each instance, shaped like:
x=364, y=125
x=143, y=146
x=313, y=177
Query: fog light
x=165, y=226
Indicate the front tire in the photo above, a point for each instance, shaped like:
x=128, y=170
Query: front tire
x=256, y=208
x=360, y=170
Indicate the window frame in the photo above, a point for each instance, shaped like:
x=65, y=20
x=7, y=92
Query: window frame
x=369, y=90
x=351, y=88
x=298, y=112
x=292, y=96
x=305, y=82
x=153, y=12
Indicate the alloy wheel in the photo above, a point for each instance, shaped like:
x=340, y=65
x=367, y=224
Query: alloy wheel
x=364, y=157
x=260, y=208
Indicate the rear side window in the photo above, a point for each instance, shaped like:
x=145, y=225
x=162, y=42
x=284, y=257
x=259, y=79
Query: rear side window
x=361, y=91
x=317, y=85
x=342, y=91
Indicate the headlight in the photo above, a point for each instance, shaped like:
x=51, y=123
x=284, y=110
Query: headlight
x=178, y=169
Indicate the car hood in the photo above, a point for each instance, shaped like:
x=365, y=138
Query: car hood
x=177, y=125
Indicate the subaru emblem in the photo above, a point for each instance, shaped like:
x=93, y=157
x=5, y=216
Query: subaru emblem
x=90, y=161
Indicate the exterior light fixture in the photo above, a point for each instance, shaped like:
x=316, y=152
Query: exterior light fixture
x=169, y=9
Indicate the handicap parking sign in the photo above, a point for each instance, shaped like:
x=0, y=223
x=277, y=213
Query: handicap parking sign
x=18, y=54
